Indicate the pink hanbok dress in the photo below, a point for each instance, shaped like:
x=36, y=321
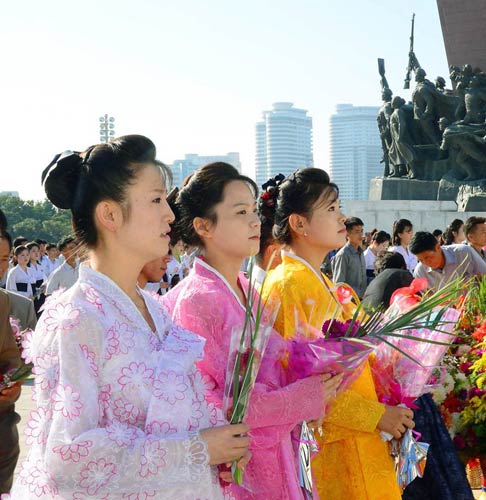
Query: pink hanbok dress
x=205, y=303
x=118, y=406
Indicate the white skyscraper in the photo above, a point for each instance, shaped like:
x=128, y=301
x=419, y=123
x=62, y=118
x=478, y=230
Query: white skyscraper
x=283, y=141
x=182, y=168
x=355, y=150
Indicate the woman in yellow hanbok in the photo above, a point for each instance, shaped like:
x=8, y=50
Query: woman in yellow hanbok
x=353, y=462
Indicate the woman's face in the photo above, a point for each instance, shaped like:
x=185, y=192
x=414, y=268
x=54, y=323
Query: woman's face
x=23, y=258
x=459, y=236
x=325, y=226
x=236, y=232
x=144, y=233
x=34, y=254
x=406, y=236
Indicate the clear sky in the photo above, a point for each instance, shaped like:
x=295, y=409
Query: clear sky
x=192, y=75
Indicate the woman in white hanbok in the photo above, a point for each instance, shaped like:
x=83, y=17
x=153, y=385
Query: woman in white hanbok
x=120, y=410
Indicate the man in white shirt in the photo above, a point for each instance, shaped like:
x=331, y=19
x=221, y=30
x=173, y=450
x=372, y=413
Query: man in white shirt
x=66, y=274
x=51, y=263
x=441, y=265
x=475, y=231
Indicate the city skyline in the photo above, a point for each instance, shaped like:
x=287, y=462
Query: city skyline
x=193, y=77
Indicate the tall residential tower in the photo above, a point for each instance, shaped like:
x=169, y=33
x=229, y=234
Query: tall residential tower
x=355, y=150
x=191, y=162
x=283, y=141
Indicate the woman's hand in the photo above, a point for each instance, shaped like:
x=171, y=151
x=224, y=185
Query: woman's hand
x=226, y=443
x=330, y=386
x=396, y=421
x=227, y=476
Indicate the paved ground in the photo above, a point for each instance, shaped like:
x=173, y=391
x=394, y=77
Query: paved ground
x=25, y=405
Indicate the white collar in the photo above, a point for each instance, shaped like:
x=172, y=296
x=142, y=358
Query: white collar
x=303, y=261
x=211, y=269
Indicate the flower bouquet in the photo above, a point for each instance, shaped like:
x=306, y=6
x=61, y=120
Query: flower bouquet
x=401, y=368
x=344, y=346
x=247, y=347
x=23, y=371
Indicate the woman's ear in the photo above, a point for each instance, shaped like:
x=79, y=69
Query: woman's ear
x=109, y=215
x=298, y=224
x=202, y=227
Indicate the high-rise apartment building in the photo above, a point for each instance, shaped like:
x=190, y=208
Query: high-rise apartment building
x=355, y=150
x=182, y=168
x=283, y=141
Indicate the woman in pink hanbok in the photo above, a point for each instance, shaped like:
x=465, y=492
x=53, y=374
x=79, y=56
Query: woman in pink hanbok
x=120, y=408
x=217, y=210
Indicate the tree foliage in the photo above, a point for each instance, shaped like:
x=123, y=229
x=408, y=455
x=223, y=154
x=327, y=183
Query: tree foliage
x=35, y=219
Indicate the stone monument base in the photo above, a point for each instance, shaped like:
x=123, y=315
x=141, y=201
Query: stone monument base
x=390, y=188
x=426, y=215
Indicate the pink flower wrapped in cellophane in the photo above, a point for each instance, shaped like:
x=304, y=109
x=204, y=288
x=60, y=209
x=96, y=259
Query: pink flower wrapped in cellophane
x=334, y=355
x=402, y=366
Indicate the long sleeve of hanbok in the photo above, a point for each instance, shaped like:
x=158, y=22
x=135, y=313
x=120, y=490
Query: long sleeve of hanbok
x=271, y=405
x=86, y=448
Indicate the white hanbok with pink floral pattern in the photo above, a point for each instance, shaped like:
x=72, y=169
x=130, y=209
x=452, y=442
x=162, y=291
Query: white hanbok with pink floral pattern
x=118, y=406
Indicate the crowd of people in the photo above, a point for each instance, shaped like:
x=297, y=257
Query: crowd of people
x=131, y=346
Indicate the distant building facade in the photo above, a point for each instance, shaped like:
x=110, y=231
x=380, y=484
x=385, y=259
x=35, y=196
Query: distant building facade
x=283, y=141
x=182, y=168
x=355, y=150
x=463, y=31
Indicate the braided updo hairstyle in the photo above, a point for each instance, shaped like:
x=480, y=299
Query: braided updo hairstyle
x=298, y=194
x=202, y=191
x=79, y=181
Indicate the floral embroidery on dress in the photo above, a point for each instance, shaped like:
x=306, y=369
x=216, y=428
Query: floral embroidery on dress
x=91, y=435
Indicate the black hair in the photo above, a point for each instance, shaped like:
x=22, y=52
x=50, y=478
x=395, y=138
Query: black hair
x=20, y=240
x=471, y=223
x=351, y=222
x=422, y=241
x=400, y=226
x=452, y=228
x=266, y=212
x=31, y=245
x=201, y=193
x=437, y=232
x=5, y=235
x=389, y=260
x=65, y=242
x=3, y=220
x=40, y=241
x=79, y=181
x=50, y=246
x=17, y=251
x=380, y=237
x=298, y=194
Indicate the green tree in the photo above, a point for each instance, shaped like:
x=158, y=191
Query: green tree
x=36, y=219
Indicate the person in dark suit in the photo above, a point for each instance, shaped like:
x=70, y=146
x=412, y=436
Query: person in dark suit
x=9, y=358
x=391, y=274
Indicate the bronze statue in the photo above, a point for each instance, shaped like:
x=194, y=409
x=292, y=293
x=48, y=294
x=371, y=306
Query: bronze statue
x=475, y=102
x=401, y=153
x=443, y=132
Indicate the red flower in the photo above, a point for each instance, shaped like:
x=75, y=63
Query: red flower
x=407, y=297
x=480, y=333
x=344, y=294
x=266, y=195
x=465, y=366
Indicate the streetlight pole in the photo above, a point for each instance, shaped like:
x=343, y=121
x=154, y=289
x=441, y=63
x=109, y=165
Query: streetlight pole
x=107, y=128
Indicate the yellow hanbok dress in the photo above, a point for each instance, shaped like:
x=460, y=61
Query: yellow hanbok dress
x=353, y=462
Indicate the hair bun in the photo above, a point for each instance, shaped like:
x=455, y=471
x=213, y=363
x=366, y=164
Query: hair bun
x=60, y=178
